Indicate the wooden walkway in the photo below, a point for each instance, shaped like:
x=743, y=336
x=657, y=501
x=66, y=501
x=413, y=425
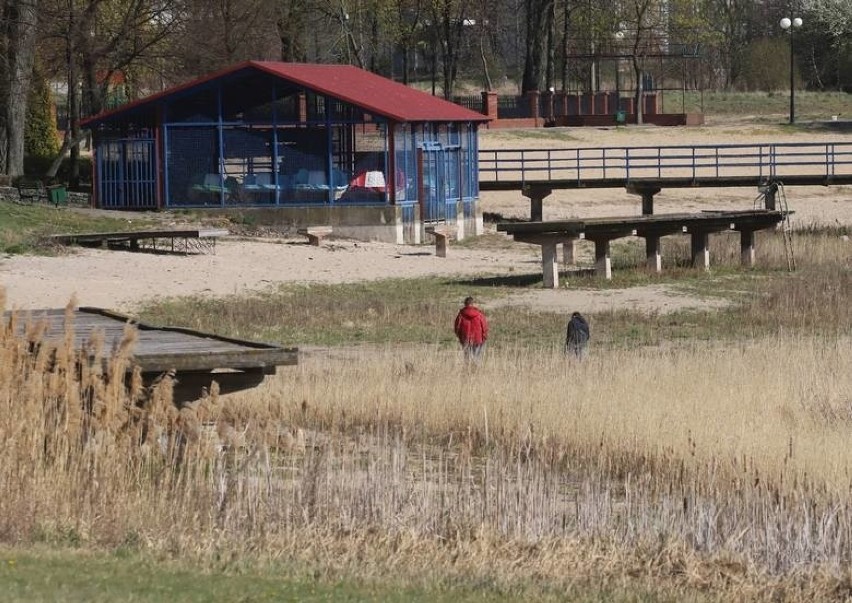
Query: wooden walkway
x=645, y=171
x=604, y=230
x=196, y=358
x=177, y=241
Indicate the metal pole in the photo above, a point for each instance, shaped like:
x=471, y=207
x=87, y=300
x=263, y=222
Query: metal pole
x=792, y=80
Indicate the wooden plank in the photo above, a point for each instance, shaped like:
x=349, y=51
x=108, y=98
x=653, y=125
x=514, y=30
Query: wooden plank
x=618, y=226
x=159, y=348
x=136, y=235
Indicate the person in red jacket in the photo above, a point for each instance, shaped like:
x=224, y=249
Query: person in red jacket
x=471, y=327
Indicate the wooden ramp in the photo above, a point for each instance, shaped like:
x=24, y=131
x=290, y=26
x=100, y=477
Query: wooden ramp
x=196, y=359
x=177, y=241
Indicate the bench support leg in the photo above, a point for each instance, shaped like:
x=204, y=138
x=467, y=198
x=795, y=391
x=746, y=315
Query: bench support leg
x=647, y=193
x=536, y=209
x=536, y=196
x=701, y=250
x=652, y=253
x=647, y=203
x=549, y=266
x=440, y=246
x=747, y=248
x=603, y=263
x=569, y=251
x=314, y=240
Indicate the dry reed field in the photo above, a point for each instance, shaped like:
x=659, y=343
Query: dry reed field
x=697, y=454
x=717, y=470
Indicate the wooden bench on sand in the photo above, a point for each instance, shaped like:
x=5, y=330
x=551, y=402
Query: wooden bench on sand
x=442, y=238
x=602, y=231
x=315, y=234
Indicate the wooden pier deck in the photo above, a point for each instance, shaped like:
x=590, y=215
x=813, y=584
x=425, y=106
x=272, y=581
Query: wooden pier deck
x=196, y=358
x=602, y=231
x=185, y=241
x=645, y=171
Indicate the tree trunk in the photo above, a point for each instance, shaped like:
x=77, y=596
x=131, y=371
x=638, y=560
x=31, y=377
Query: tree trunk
x=550, y=51
x=290, y=27
x=566, y=22
x=73, y=135
x=637, y=70
x=538, y=12
x=23, y=16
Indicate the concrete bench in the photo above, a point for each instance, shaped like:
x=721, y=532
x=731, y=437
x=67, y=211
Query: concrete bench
x=442, y=239
x=315, y=234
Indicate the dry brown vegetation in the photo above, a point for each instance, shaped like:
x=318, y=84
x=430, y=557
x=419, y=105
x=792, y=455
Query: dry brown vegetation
x=719, y=467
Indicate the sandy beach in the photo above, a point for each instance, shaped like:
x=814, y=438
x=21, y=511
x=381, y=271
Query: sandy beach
x=122, y=280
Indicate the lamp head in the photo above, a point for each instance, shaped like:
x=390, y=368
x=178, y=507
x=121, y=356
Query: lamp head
x=785, y=23
x=797, y=22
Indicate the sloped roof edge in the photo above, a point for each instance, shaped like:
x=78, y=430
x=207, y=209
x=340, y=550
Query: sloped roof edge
x=366, y=90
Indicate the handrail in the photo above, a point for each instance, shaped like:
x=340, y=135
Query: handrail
x=774, y=161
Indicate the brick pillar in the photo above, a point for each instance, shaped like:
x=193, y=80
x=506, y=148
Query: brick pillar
x=651, y=104
x=489, y=104
x=601, y=103
x=534, y=96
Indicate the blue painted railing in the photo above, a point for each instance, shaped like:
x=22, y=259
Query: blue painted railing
x=765, y=161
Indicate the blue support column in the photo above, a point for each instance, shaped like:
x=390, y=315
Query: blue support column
x=221, y=165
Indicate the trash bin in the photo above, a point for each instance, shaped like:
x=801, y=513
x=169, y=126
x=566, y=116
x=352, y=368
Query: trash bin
x=621, y=117
x=57, y=195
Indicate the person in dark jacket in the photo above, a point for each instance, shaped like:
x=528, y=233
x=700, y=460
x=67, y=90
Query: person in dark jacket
x=471, y=328
x=577, y=336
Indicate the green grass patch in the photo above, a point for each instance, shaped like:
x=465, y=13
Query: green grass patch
x=809, y=105
x=387, y=311
x=555, y=135
x=421, y=311
x=23, y=226
x=78, y=576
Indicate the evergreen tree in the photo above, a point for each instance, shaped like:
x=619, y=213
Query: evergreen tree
x=41, y=138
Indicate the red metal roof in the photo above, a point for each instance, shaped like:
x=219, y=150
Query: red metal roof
x=372, y=93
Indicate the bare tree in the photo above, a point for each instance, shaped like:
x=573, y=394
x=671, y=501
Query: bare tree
x=448, y=18
x=102, y=42
x=645, y=19
x=19, y=28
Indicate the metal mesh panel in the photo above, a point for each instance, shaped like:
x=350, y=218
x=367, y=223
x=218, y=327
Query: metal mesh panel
x=194, y=178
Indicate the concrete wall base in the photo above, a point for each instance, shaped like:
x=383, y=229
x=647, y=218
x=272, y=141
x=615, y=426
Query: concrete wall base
x=384, y=223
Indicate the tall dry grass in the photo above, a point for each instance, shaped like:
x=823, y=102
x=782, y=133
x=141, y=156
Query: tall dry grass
x=708, y=466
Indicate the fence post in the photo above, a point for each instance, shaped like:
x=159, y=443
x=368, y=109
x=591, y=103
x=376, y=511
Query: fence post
x=490, y=104
x=533, y=96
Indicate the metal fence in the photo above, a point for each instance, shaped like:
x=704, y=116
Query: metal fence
x=765, y=161
x=472, y=102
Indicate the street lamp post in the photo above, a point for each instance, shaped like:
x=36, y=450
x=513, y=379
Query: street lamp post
x=619, y=36
x=788, y=25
